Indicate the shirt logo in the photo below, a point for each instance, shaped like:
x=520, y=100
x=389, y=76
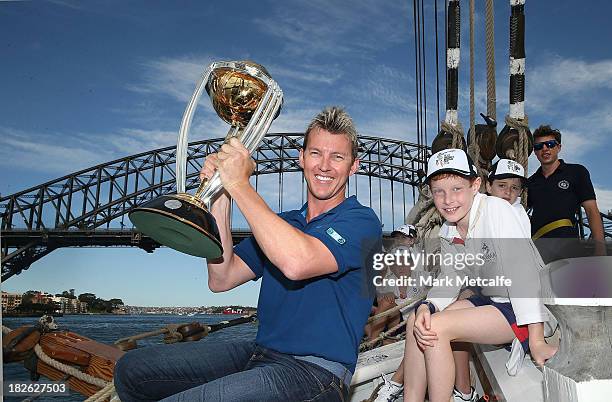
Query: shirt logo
x=335, y=235
x=488, y=254
x=563, y=184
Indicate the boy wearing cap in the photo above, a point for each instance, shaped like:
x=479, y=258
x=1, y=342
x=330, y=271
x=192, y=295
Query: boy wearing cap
x=475, y=223
x=506, y=181
x=402, y=239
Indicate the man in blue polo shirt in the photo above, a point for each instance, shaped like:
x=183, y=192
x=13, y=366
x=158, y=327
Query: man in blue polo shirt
x=555, y=193
x=314, y=298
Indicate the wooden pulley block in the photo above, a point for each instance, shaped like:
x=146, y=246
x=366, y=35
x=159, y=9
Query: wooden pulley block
x=486, y=138
x=506, y=140
x=17, y=344
x=444, y=140
x=193, y=331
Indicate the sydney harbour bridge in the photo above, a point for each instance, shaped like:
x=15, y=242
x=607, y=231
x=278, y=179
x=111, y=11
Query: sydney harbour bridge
x=89, y=208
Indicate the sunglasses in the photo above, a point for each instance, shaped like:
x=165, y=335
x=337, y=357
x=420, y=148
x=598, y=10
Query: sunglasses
x=538, y=146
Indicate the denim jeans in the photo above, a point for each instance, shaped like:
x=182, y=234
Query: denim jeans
x=240, y=371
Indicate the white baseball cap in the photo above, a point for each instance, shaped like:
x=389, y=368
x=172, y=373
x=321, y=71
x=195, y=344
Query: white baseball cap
x=450, y=161
x=506, y=168
x=408, y=230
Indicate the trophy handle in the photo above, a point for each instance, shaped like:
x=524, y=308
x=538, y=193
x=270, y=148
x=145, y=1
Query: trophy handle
x=183, y=142
x=234, y=131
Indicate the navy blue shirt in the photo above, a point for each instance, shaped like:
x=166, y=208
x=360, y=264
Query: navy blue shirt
x=558, y=196
x=322, y=316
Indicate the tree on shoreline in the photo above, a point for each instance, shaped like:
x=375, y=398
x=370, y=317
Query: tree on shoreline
x=98, y=305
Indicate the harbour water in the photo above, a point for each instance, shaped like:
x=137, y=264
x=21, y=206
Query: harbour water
x=109, y=328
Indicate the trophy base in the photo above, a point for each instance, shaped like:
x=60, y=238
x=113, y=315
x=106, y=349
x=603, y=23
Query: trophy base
x=181, y=222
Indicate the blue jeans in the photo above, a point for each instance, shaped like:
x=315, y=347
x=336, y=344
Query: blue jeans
x=240, y=371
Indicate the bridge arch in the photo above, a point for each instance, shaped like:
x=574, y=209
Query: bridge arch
x=89, y=207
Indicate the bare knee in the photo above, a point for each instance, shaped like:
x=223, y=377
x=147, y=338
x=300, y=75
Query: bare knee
x=442, y=325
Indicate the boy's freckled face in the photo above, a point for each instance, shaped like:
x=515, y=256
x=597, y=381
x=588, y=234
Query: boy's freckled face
x=453, y=196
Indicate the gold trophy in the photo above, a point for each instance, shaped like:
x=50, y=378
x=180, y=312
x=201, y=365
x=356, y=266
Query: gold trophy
x=244, y=95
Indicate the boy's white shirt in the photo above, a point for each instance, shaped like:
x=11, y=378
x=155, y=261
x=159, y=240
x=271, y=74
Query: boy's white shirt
x=492, y=219
x=524, y=218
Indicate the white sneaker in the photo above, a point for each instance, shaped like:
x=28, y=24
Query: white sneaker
x=389, y=391
x=458, y=396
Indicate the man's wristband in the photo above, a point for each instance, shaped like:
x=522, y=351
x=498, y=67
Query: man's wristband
x=430, y=306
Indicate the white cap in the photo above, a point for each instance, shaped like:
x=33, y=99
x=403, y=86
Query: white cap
x=408, y=230
x=450, y=161
x=506, y=168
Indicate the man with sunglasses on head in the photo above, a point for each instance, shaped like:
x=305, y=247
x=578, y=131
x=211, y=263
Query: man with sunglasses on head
x=555, y=193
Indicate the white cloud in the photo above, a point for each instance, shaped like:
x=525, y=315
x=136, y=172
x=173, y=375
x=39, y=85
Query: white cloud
x=604, y=199
x=22, y=150
x=316, y=26
x=309, y=73
x=43, y=153
x=174, y=77
x=570, y=78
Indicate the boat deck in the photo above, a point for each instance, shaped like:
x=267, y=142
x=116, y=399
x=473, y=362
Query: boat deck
x=489, y=365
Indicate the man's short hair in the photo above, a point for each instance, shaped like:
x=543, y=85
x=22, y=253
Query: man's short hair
x=545, y=130
x=335, y=120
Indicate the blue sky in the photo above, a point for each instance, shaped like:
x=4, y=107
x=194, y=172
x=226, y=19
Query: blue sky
x=83, y=83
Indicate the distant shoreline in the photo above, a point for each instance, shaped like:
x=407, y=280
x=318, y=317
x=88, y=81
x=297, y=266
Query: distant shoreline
x=38, y=315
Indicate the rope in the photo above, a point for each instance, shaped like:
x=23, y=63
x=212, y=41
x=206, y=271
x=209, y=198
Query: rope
x=69, y=369
x=103, y=394
x=170, y=328
x=173, y=335
x=383, y=335
x=427, y=220
x=424, y=74
x=490, y=43
x=437, y=60
x=408, y=303
x=474, y=147
x=522, y=148
x=472, y=124
x=417, y=83
x=456, y=131
x=424, y=215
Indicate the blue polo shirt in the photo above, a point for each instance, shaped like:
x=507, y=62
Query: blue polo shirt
x=322, y=316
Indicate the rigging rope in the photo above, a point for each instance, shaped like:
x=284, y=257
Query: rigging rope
x=417, y=82
x=437, y=59
x=474, y=147
x=423, y=75
x=472, y=123
x=490, y=44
